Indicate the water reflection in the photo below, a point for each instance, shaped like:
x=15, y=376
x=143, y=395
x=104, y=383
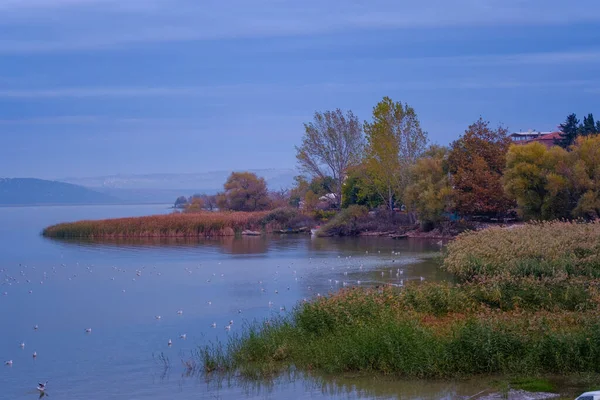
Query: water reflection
x=262, y=244
x=118, y=286
x=341, y=386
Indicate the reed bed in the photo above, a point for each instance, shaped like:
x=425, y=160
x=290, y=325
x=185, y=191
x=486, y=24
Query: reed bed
x=536, y=249
x=507, y=317
x=172, y=225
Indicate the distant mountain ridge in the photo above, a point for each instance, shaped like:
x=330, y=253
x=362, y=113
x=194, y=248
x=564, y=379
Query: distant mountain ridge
x=212, y=180
x=30, y=191
x=152, y=188
x=127, y=188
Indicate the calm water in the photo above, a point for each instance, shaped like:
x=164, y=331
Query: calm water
x=117, y=288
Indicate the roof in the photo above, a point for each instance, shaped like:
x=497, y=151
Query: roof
x=547, y=139
x=529, y=133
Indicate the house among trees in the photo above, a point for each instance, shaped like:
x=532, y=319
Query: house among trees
x=548, y=139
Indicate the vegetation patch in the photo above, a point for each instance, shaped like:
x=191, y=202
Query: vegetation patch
x=514, y=319
x=171, y=225
x=543, y=249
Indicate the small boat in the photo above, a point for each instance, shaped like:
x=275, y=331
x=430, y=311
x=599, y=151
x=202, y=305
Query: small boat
x=590, y=396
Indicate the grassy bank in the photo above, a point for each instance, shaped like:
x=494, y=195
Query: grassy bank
x=199, y=224
x=507, y=317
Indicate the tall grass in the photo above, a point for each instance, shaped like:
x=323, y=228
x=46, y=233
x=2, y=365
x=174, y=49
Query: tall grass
x=197, y=224
x=355, y=331
x=171, y=225
x=524, y=311
x=537, y=249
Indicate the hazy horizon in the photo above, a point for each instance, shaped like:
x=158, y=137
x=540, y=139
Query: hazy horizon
x=104, y=87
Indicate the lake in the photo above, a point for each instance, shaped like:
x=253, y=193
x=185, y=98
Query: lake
x=119, y=288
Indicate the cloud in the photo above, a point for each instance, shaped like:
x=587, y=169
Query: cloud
x=71, y=25
x=252, y=90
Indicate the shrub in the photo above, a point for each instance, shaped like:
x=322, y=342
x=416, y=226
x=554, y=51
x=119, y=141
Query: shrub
x=286, y=218
x=346, y=222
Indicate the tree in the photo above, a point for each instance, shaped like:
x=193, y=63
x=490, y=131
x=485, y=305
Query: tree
x=210, y=201
x=586, y=176
x=476, y=161
x=536, y=178
x=568, y=131
x=431, y=194
x=279, y=198
x=244, y=191
x=180, y=202
x=332, y=143
x=394, y=142
x=298, y=191
x=195, y=204
x=357, y=190
x=588, y=127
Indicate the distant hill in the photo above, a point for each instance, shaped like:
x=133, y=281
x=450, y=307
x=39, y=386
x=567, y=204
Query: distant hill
x=151, y=188
x=28, y=191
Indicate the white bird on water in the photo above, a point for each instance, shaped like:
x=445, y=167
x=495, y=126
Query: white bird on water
x=169, y=343
x=9, y=362
x=42, y=386
x=88, y=330
x=158, y=317
x=180, y=312
x=227, y=327
x=35, y=327
x=213, y=325
x=22, y=345
x=34, y=354
x=183, y=336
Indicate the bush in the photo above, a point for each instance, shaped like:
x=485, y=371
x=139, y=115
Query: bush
x=286, y=218
x=346, y=222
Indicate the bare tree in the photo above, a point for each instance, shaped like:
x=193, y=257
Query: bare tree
x=332, y=143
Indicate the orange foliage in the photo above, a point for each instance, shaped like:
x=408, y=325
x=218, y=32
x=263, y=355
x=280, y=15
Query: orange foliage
x=477, y=162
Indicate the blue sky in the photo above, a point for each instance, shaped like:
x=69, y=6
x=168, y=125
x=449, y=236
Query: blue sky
x=98, y=87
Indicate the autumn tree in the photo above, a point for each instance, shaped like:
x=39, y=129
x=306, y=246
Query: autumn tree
x=430, y=194
x=586, y=176
x=476, y=161
x=298, y=191
x=279, y=198
x=538, y=179
x=332, y=143
x=317, y=187
x=210, y=201
x=195, y=204
x=244, y=191
x=394, y=142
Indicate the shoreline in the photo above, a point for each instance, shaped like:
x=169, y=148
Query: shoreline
x=223, y=224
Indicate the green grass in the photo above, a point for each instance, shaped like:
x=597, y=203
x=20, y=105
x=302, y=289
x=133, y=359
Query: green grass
x=511, y=317
x=532, y=385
